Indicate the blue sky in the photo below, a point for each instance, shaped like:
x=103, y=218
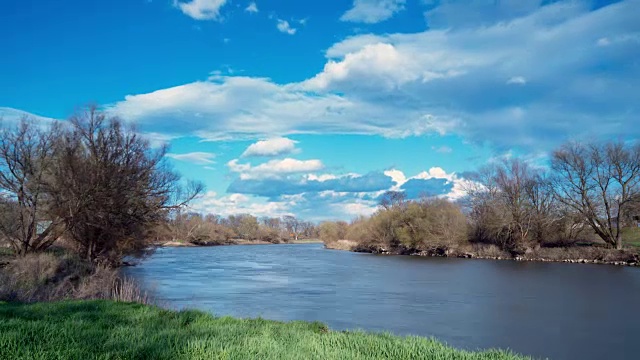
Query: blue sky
x=315, y=108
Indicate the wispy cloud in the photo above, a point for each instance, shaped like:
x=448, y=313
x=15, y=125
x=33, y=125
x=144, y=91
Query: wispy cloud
x=199, y=158
x=372, y=11
x=442, y=149
x=252, y=7
x=201, y=9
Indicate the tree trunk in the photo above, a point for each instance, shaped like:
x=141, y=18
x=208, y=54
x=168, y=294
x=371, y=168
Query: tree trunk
x=619, y=242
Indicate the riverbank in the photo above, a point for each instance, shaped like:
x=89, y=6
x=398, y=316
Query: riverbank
x=573, y=254
x=237, y=242
x=109, y=330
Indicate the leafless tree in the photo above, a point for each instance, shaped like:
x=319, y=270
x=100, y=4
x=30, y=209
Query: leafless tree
x=511, y=204
x=109, y=186
x=26, y=153
x=293, y=225
x=600, y=182
x=392, y=199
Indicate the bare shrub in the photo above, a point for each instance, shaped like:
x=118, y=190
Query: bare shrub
x=106, y=283
x=348, y=245
x=489, y=251
x=47, y=277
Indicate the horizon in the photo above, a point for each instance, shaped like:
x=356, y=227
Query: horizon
x=316, y=109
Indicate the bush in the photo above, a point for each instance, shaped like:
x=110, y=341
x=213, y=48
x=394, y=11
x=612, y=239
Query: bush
x=330, y=231
x=423, y=225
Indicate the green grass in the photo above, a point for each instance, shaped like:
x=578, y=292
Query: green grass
x=307, y=241
x=631, y=236
x=110, y=330
x=5, y=251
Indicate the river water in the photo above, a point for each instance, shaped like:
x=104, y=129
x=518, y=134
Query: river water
x=547, y=310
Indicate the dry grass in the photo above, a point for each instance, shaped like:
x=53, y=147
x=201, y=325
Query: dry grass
x=49, y=277
x=347, y=245
x=584, y=253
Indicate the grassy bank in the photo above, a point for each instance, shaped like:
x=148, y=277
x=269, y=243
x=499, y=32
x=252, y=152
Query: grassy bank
x=113, y=330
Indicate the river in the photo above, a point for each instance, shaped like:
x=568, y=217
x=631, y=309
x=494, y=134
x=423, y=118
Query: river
x=554, y=310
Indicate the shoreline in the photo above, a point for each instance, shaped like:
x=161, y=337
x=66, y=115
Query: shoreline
x=236, y=243
x=145, y=331
x=348, y=245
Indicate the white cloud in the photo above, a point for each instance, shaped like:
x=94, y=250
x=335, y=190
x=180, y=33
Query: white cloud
x=517, y=80
x=201, y=9
x=235, y=204
x=274, y=168
x=13, y=116
x=271, y=147
x=442, y=149
x=459, y=184
x=199, y=158
x=398, y=178
x=436, y=81
x=252, y=7
x=323, y=177
x=372, y=11
x=284, y=27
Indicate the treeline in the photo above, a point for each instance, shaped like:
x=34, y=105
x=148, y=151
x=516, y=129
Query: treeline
x=213, y=229
x=91, y=182
x=589, y=191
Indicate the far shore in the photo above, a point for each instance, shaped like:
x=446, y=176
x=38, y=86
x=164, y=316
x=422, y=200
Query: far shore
x=238, y=242
x=573, y=254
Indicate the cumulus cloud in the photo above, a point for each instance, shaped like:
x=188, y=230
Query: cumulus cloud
x=436, y=81
x=274, y=168
x=199, y=158
x=235, y=204
x=252, y=7
x=417, y=188
x=201, y=9
x=345, y=196
x=271, y=147
x=434, y=182
x=284, y=27
x=372, y=11
x=273, y=187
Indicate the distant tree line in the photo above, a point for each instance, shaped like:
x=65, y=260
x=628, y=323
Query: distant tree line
x=589, y=190
x=210, y=229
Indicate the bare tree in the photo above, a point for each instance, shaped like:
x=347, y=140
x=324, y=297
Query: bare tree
x=600, y=182
x=293, y=225
x=109, y=186
x=26, y=153
x=511, y=204
x=392, y=199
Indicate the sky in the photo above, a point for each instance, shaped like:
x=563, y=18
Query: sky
x=315, y=108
